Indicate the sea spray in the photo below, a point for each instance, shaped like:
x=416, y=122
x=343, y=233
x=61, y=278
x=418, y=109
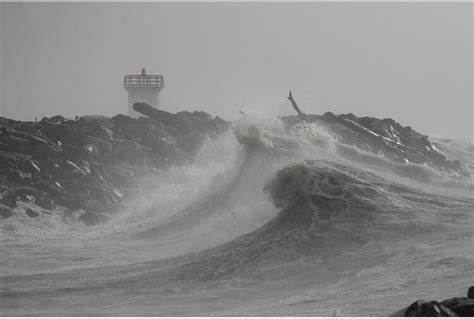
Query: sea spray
x=266, y=221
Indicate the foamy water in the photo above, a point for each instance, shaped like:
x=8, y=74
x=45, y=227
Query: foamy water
x=338, y=231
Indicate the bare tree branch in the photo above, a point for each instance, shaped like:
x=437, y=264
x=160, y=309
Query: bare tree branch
x=297, y=109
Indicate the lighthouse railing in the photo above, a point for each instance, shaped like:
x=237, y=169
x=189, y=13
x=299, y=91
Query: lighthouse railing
x=131, y=81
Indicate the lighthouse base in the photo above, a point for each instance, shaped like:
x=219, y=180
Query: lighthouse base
x=142, y=95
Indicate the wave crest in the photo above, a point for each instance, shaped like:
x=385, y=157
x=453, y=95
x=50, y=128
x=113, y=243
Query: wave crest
x=326, y=187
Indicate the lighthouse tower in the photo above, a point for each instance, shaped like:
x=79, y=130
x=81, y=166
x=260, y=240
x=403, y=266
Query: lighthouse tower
x=143, y=88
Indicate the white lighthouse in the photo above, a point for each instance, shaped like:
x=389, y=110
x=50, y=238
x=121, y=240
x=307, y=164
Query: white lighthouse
x=143, y=88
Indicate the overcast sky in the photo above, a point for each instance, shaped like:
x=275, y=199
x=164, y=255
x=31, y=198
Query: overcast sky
x=408, y=61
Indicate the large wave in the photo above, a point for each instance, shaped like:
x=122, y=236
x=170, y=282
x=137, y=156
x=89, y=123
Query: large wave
x=267, y=220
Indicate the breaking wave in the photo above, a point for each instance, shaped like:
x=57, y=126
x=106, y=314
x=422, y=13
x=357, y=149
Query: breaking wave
x=266, y=221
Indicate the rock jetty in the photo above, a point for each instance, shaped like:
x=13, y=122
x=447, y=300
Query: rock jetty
x=385, y=137
x=93, y=164
x=453, y=307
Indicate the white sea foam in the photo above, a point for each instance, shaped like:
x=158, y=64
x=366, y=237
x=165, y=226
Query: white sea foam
x=205, y=239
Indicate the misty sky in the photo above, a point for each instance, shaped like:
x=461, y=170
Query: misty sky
x=408, y=61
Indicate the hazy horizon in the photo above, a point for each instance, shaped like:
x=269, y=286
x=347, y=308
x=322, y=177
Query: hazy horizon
x=187, y=215
x=408, y=61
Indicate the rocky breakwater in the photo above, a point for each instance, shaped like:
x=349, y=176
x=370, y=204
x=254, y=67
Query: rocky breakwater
x=385, y=137
x=87, y=168
x=453, y=307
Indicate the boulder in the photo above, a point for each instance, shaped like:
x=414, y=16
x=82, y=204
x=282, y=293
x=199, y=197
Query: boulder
x=29, y=166
x=31, y=213
x=9, y=160
x=93, y=218
x=5, y=212
x=4, y=122
x=25, y=192
x=73, y=152
x=54, y=120
x=16, y=175
x=73, y=202
x=3, y=189
x=91, y=150
x=9, y=201
x=94, y=163
x=102, y=145
x=454, y=307
x=128, y=151
x=383, y=136
x=53, y=189
x=461, y=306
x=45, y=202
x=34, y=137
x=420, y=308
x=29, y=195
x=13, y=144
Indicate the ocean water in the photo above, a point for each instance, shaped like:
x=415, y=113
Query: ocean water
x=265, y=222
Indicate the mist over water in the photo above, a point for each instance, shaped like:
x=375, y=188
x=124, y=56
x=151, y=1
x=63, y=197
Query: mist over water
x=269, y=218
x=411, y=62
x=265, y=221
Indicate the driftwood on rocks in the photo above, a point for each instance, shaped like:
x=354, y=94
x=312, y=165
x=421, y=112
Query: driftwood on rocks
x=147, y=110
x=302, y=115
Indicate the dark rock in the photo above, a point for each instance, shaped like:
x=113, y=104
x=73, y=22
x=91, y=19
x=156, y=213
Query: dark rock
x=9, y=201
x=3, y=189
x=94, y=162
x=464, y=309
x=91, y=150
x=102, y=145
x=36, y=138
x=31, y=213
x=384, y=136
x=15, y=175
x=4, y=122
x=73, y=170
x=121, y=174
x=72, y=152
x=129, y=151
x=27, y=192
x=29, y=166
x=90, y=218
x=24, y=194
x=45, y=202
x=26, y=198
x=420, y=308
x=95, y=205
x=12, y=144
x=54, y=120
x=93, y=218
x=77, y=133
x=50, y=188
x=454, y=307
x=72, y=202
x=470, y=292
x=121, y=120
x=462, y=306
x=5, y=212
x=93, y=118
x=9, y=160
